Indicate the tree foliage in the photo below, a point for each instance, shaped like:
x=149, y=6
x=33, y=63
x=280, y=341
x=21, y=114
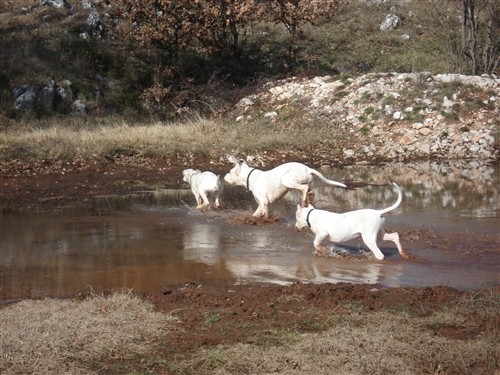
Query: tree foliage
x=294, y=13
x=206, y=29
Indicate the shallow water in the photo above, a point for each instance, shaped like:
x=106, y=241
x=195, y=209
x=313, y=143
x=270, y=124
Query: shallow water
x=151, y=240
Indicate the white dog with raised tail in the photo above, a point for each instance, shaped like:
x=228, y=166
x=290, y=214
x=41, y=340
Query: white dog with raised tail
x=206, y=187
x=269, y=186
x=338, y=228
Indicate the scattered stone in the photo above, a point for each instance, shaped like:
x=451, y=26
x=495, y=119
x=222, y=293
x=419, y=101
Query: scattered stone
x=408, y=139
x=390, y=22
x=368, y=106
x=348, y=153
x=96, y=27
x=58, y=97
x=245, y=102
x=55, y=3
x=447, y=103
x=398, y=115
x=272, y=114
x=424, y=131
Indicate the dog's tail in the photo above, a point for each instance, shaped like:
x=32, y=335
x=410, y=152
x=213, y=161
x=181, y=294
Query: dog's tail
x=326, y=180
x=398, y=201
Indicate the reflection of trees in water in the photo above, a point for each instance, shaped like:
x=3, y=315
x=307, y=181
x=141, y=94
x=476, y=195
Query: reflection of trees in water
x=470, y=187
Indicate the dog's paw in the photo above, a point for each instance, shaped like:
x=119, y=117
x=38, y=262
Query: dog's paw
x=408, y=256
x=322, y=251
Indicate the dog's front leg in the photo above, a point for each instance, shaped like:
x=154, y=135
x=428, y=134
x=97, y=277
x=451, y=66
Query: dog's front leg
x=261, y=212
x=321, y=250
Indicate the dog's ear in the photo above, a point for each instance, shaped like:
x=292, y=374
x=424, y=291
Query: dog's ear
x=232, y=159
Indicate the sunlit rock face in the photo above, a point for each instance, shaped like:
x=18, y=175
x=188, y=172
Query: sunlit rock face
x=395, y=116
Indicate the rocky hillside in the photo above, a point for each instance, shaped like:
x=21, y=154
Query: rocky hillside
x=389, y=116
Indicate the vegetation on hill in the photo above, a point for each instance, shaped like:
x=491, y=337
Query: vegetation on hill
x=159, y=57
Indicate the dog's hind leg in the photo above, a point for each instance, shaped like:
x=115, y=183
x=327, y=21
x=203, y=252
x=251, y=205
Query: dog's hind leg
x=304, y=188
x=394, y=237
x=310, y=198
x=298, y=182
x=305, y=194
x=203, y=201
x=371, y=242
x=216, y=199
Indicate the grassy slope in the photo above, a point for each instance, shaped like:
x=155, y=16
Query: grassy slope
x=43, y=44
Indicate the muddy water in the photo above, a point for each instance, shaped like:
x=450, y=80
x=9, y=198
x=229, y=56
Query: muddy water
x=148, y=241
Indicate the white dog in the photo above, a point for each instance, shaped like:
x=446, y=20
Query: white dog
x=205, y=186
x=269, y=186
x=364, y=223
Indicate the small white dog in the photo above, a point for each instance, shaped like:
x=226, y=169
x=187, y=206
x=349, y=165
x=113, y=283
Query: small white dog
x=205, y=186
x=364, y=223
x=269, y=186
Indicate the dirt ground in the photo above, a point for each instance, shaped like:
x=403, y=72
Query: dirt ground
x=241, y=311
x=305, y=307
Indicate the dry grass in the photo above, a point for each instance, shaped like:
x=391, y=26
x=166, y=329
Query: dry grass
x=59, y=140
x=63, y=336
x=89, y=140
x=382, y=342
x=85, y=337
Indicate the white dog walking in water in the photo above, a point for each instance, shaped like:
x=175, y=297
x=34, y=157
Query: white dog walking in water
x=205, y=186
x=269, y=186
x=338, y=228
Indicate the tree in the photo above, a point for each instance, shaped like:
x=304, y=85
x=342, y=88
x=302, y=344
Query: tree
x=481, y=35
x=166, y=25
x=166, y=28
x=224, y=24
x=294, y=13
x=191, y=37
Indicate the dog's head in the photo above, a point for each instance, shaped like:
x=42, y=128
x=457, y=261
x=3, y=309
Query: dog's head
x=187, y=174
x=301, y=216
x=234, y=175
